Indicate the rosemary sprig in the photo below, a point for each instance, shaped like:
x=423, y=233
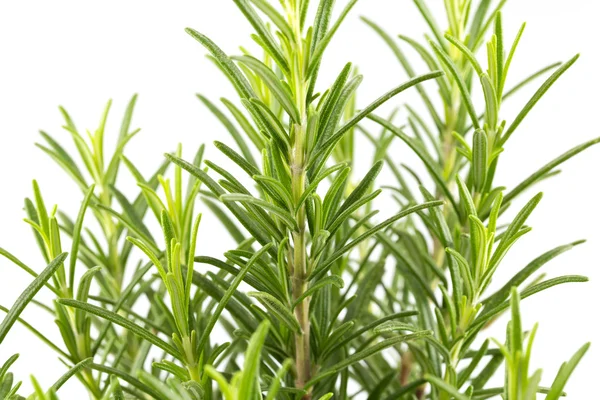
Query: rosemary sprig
x=319, y=296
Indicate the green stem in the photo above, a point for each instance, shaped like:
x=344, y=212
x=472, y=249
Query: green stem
x=191, y=362
x=298, y=172
x=110, y=230
x=299, y=279
x=87, y=378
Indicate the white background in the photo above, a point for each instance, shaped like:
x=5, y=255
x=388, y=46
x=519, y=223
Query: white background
x=81, y=53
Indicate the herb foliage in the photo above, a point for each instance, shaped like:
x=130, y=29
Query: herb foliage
x=320, y=297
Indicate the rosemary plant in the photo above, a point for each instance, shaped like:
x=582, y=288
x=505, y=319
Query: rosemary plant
x=319, y=297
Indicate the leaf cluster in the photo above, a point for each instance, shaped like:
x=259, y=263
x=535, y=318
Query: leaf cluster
x=319, y=297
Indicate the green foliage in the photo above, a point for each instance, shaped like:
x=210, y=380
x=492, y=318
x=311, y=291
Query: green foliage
x=517, y=353
x=319, y=297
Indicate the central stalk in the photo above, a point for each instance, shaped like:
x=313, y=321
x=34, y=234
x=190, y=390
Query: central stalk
x=298, y=178
x=299, y=278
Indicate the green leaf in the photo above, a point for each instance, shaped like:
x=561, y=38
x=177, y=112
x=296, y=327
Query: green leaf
x=478, y=19
x=499, y=56
x=466, y=52
x=38, y=334
x=263, y=32
x=546, y=169
x=465, y=271
x=214, y=317
x=250, y=169
x=244, y=219
x=278, y=310
x=126, y=121
x=27, y=295
x=465, y=374
x=512, y=233
x=231, y=70
x=565, y=372
x=257, y=282
x=173, y=369
x=123, y=322
x=321, y=22
x=269, y=124
x=62, y=158
x=365, y=185
x=151, y=255
x=82, y=294
x=5, y=367
x=110, y=174
x=370, y=232
x=529, y=79
x=466, y=198
x=393, y=326
x=276, y=190
x=317, y=52
x=326, y=397
x=42, y=212
x=27, y=269
x=190, y=260
x=77, y=235
x=426, y=13
x=257, y=138
x=114, y=390
x=337, y=136
x=491, y=102
x=239, y=140
x=275, y=17
x=71, y=372
x=409, y=69
x=536, y=97
x=509, y=59
x=516, y=326
x=249, y=378
x=327, y=108
x=319, y=153
x=363, y=354
x=439, y=219
x=430, y=164
x=221, y=381
x=225, y=220
x=320, y=26
x=488, y=371
x=530, y=291
x=133, y=226
x=283, y=215
x=328, y=280
x=271, y=80
x=503, y=293
x=446, y=387
x=129, y=379
x=312, y=187
x=462, y=86
x=485, y=26
x=480, y=160
x=341, y=108
x=237, y=310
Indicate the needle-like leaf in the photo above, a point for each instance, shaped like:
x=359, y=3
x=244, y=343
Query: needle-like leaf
x=28, y=294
